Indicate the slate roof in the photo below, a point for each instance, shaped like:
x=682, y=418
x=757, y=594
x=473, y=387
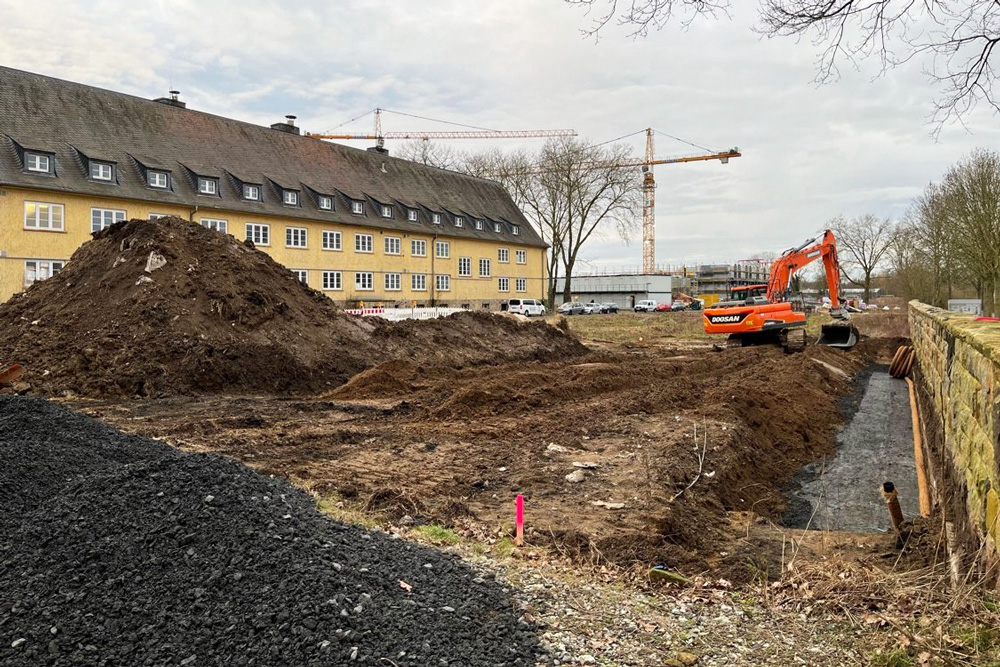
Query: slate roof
x=78, y=123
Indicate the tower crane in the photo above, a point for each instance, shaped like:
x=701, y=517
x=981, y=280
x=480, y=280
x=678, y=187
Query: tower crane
x=379, y=136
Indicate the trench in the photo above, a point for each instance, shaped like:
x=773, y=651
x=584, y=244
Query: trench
x=874, y=445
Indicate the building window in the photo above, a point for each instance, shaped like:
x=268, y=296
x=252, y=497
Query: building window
x=158, y=179
x=484, y=268
x=332, y=280
x=418, y=282
x=442, y=249
x=392, y=282
x=157, y=216
x=442, y=282
x=479, y=225
x=259, y=234
x=503, y=255
x=436, y=218
x=496, y=227
x=357, y=207
x=102, y=218
x=363, y=243
x=38, y=163
x=364, y=280
x=43, y=216
x=464, y=266
x=40, y=269
x=521, y=284
x=251, y=192
x=217, y=224
x=418, y=248
x=515, y=230
x=459, y=221
x=386, y=211
x=411, y=214
x=331, y=240
x=101, y=171
x=301, y=275
x=393, y=245
x=522, y=256
x=208, y=186
x=291, y=198
x=326, y=203
x=504, y=284
x=295, y=237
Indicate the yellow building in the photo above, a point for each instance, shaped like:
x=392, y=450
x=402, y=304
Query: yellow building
x=360, y=226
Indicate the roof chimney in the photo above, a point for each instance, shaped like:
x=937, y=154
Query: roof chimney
x=173, y=100
x=287, y=126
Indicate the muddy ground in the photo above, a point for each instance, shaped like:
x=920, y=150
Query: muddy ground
x=634, y=456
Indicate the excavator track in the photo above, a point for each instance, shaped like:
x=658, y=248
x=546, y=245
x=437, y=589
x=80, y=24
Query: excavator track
x=793, y=340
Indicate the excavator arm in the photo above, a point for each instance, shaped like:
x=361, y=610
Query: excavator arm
x=791, y=261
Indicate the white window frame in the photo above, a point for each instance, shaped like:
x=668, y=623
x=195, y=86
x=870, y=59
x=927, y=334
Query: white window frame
x=442, y=282
x=418, y=248
x=208, y=186
x=487, y=266
x=157, y=216
x=109, y=216
x=50, y=222
x=332, y=240
x=418, y=282
x=479, y=225
x=218, y=224
x=503, y=284
x=393, y=282
x=464, y=267
x=333, y=280
x=459, y=221
x=290, y=197
x=497, y=227
x=153, y=179
x=521, y=284
x=521, y=256
x=259, y=230
x=251, y=192
x=393, y=241
x=360, y=244
x=302, y=275
x=357, y=207
x=515, y=230
x=97, y=171
x=296, y=237
x=38, y=159
x=411, y=214
x=436, y=218
x=50, y=264
x=325, y=203
x=386, y=211
x=364, y=281
x=444, y=246
x=503, y=255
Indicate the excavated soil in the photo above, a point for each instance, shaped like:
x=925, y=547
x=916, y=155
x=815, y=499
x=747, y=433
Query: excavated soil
x=669, y=445
x=166, y=307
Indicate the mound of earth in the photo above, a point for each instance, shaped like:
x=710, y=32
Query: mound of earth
x=154, y=308
x=124, y=551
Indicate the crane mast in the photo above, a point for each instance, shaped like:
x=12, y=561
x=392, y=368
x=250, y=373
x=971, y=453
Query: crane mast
x=648, y=208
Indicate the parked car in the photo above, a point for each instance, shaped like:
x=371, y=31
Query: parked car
x=572, y=308
x=610, y=307
x=678, y=305
x=662, y=308
x=597, y=308
x=526, y=307
x=645, y=306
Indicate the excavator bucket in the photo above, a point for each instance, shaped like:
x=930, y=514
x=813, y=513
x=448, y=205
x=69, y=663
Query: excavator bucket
x=838, y=335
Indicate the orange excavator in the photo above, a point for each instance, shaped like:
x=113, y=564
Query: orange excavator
x=763, y=314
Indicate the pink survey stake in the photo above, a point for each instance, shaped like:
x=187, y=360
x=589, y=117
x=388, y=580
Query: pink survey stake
x=519, y=535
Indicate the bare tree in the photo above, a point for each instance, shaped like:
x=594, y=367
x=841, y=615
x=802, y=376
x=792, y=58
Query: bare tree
x=862, y=243
x=956, y=40
x=431, y=153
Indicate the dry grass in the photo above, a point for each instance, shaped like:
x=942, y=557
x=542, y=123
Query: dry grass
x=639, y=329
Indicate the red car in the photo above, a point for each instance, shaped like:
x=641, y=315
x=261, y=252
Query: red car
x=663, y=307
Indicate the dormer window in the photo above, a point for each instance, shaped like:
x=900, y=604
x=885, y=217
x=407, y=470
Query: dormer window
x=411, y=214
x=251, y=192
x=515, y=230
x=497, y=227
x=102, y=171
x=158, y=179
x=459, y=221
x=291, y=198
x=208, y=186
x=386, y=211
x=326, y=203
x=357, y=207
x=436, y=218
x=38, y=163
x=479, y=225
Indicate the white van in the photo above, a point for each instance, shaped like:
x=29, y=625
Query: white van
x=645, y=306
x=526, y=307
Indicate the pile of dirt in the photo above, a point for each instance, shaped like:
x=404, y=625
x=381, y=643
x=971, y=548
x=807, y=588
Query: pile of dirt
x=154, y=308
x=117, y=550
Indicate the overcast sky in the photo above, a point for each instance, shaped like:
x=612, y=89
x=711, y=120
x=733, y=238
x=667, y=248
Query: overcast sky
x=860, y=145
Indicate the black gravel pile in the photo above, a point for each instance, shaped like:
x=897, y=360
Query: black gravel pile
x=121, y=551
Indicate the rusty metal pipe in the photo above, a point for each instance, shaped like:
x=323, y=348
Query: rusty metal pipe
x=892, y=502
x=918, y=454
